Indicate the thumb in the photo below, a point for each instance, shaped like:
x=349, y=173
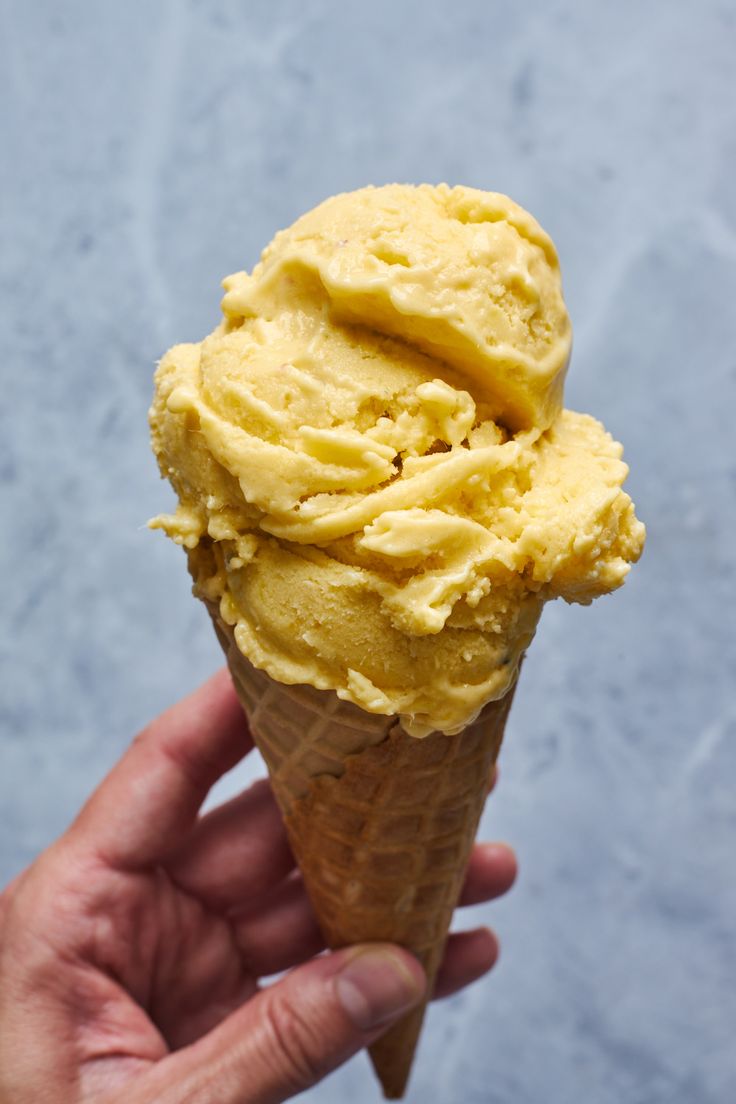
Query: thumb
x=295, y=1032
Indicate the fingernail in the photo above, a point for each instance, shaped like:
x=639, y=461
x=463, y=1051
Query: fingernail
x=376, y=986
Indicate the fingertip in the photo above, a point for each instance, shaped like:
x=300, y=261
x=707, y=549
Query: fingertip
x=491, y=872
x=486, y=947
x=378, y=982
x=500, y=858
x=469, y=956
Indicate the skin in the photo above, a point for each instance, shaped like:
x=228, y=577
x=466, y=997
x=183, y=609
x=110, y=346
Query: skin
x=131, y=950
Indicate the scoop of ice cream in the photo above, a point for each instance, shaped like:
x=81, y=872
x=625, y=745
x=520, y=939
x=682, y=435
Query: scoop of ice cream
x=376, y=480
x=463, y=275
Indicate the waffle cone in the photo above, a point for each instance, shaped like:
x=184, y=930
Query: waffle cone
x=381, y=823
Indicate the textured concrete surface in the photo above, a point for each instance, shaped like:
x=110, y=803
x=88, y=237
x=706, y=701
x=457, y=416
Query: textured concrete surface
x=151, y=148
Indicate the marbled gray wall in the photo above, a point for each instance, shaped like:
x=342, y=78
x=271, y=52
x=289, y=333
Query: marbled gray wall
x=149, y=148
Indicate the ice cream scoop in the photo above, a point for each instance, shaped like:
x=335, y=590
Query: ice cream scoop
x=378, y=486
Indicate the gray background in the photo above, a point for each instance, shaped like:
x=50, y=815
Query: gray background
x=151, y=148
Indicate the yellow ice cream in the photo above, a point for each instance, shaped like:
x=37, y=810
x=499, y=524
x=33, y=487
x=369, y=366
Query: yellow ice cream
x=376, y=478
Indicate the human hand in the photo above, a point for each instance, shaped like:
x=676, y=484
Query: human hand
x=131, y=950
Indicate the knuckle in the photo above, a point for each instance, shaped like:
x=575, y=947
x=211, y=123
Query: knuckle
x=295, y=1043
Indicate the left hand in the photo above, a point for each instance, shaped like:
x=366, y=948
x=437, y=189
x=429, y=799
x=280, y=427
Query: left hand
x=130, y=951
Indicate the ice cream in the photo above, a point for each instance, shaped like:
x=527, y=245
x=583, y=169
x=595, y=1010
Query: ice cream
x=378, y=490
x=378, y=486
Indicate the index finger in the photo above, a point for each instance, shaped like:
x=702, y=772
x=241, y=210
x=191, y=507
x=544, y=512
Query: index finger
x=139, y=813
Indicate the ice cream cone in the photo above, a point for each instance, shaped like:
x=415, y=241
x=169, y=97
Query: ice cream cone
x=379, y=489
x=381, y=823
